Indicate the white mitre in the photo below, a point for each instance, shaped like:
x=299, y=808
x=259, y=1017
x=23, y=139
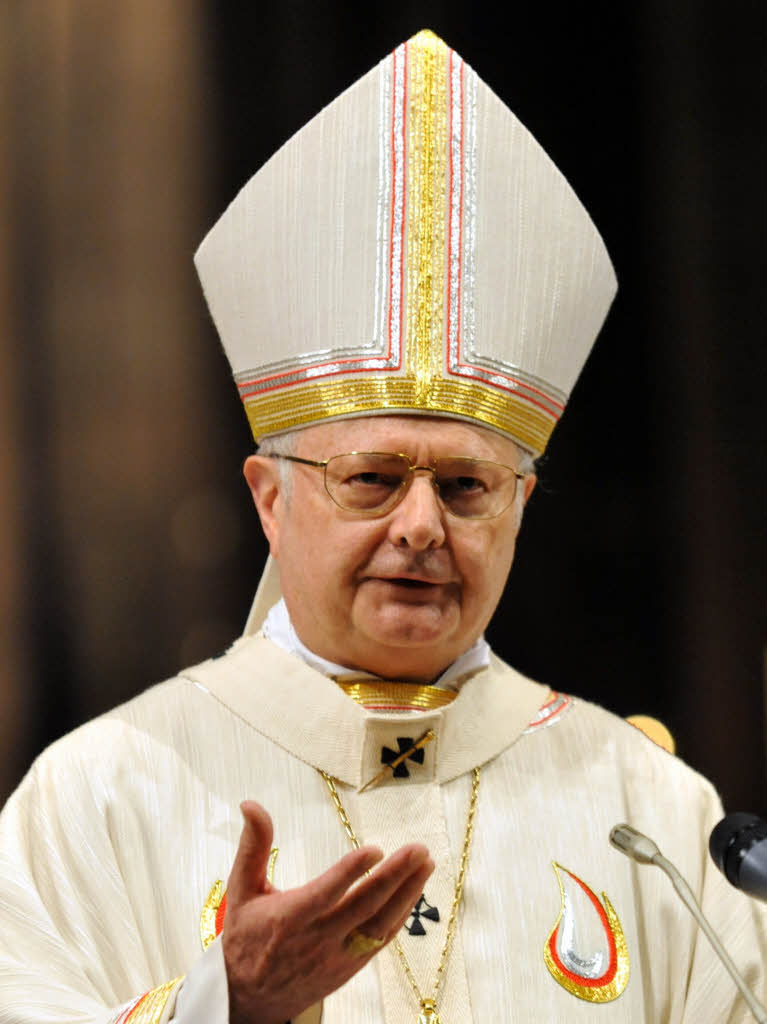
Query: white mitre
x=412, y=249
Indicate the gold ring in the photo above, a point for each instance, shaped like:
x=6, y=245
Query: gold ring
x=360, y=944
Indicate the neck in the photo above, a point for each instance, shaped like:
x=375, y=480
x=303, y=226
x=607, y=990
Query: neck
x=279, y=628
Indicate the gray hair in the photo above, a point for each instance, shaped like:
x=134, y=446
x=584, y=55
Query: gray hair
x=526, y=465
x=282, y=444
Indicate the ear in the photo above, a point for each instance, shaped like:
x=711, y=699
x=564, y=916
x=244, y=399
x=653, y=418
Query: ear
x=528, y=486
x=263, y=478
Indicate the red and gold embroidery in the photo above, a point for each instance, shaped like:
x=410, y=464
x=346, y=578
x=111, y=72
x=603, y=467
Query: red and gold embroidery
x=213, y=913
x=149, y=1008
x=214, y=907
x=599, y=972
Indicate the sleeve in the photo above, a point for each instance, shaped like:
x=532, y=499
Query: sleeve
x=203, y=998
x=70, y=949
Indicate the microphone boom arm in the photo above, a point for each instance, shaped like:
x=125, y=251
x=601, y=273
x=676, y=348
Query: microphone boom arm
x=643, y=850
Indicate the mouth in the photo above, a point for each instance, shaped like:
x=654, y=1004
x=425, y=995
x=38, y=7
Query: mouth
x=410, y=584
x=413, y=582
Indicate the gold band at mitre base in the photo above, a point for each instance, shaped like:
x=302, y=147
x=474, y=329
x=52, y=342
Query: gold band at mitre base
x=411, y=249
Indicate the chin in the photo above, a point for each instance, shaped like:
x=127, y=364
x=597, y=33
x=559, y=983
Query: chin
x=408, y=649
x=412, y=625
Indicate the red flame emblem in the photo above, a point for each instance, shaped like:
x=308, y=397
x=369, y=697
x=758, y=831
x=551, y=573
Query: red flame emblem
x=586, y=949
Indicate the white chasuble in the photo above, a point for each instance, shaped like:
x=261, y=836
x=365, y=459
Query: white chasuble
x=111, y=846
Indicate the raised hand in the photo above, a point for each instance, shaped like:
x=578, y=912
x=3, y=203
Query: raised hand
x=284, y=951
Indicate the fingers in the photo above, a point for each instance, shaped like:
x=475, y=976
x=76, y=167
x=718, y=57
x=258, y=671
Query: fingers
x=390, y=917
x=286, y=950
x=248, y=876
x=388, y=894
x=324, y=892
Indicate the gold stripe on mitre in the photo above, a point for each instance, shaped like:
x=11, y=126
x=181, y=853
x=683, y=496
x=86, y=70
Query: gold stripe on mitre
x=427, y=207
x=311, y=403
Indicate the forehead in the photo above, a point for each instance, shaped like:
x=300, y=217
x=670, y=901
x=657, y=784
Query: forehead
x=420, y=437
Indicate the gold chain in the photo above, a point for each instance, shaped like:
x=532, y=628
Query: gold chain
x=423, y=1002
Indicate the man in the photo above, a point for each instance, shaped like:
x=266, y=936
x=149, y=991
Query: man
x=406, y=293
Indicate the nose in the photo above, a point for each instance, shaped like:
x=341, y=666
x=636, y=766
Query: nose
x=418, y=521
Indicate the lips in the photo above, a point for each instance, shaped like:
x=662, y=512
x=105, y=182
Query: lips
x=431, y=570
x=414, y=582
x=404, y=581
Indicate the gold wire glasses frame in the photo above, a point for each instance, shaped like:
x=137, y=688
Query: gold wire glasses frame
x=373, y=483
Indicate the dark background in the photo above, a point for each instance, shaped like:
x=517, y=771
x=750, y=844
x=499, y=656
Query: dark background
x=129, y=545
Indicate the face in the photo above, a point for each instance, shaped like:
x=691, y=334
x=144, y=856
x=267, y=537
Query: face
x=402, y=595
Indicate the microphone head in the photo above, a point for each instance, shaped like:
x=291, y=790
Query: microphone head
x=731, y=842
x=635, y=845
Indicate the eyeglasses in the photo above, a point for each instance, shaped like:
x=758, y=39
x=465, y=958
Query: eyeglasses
x=373, y=483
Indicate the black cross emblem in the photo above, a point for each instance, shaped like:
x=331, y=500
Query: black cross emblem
x=388, y=755
x=422, y=909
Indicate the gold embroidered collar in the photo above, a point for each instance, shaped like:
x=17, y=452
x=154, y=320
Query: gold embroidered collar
x=379, y=695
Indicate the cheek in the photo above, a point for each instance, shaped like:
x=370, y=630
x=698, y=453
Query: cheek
x=472, y=545
x=484, y=560
x=336, y=557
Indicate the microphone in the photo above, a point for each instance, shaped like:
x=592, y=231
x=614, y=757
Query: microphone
x=644, y=851
x=738, y=845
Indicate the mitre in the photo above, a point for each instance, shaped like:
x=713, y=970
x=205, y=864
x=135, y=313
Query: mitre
x=414, y=250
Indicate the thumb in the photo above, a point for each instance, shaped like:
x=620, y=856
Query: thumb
x=248, y=876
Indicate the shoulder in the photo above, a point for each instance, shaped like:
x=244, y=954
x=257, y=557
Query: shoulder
x=167, y=718
x=637, y=761
x=592, y=739
x=167, y=713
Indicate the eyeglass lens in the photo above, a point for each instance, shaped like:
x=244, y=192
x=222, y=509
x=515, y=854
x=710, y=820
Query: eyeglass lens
x=375, y=481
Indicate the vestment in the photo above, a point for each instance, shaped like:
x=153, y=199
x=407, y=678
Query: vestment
x=112, y=843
